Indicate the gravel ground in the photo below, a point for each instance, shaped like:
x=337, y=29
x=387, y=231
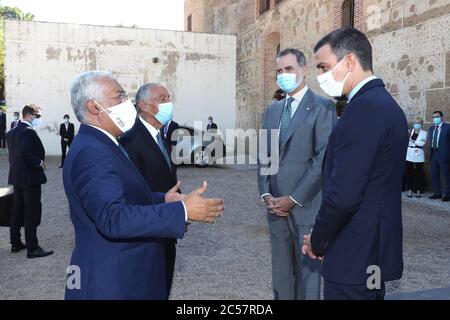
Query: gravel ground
x=227, y=260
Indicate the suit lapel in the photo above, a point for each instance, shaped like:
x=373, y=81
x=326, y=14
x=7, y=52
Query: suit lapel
x=149, y=140
x=300, y=115
x=276, y=118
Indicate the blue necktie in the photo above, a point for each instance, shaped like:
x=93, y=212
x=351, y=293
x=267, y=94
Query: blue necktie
x=163, y=149
x=285, y=119
x=124, y=151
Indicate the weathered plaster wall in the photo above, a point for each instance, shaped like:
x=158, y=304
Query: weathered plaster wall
x=42, y=59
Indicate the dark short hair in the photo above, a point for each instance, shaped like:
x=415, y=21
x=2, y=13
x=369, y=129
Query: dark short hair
x=349, y=40
x=301, y=59
x=27, y=110
x=440, y=112
x=17, y=112
x=66, y=116
x=210, y=117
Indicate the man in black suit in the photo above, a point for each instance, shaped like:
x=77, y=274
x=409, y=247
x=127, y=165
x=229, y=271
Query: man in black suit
x=146, y=148
x=167, y=132
x=27, y=164
x=67, y=133
x=2, y=128
x=16, y=121
x=358, y=230
x=211, y=125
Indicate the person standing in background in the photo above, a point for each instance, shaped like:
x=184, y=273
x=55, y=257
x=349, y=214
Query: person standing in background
x=415, y=158
x=2, y=128
x=439, y=136
x=67, y=133
x=16, y=121
x=211, y=125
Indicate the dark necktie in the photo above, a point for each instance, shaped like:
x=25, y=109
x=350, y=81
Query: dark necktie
x=163, y=149
x=434, y=144
x=285, y=120
x=124, y=151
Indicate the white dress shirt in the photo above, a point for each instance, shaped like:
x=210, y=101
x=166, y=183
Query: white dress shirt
x=153, y=131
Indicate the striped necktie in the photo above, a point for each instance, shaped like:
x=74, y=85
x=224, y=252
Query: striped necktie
x=285, y=120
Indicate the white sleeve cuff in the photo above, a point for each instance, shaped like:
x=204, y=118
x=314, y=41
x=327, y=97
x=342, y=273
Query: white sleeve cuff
x=295, y=202
x=265, y=194
x=185, y=212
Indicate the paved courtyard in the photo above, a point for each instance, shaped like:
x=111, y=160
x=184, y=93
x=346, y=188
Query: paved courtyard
x=227, y=260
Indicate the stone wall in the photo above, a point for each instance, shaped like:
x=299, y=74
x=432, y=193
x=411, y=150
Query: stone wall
x=410, y=40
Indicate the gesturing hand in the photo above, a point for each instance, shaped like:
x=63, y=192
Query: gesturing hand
x=201, y=209
x=173, y=195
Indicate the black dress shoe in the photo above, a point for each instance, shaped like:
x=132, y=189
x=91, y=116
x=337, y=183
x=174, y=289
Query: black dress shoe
x=446, y=199
x=17, y=248
x=436, y=196
x=38, y=253
x=60, y=167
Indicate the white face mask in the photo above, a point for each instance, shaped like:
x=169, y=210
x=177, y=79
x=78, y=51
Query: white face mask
x=331, y=86
x=36, y=123
x=16, y=118
x=66, y=120
x=123, y=115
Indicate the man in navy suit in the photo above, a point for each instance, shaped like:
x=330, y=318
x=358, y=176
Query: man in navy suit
x=150, y=154
x=120, y=224
x=16, y=121
x=358, y=230
x=27, y=174
x=439, y=136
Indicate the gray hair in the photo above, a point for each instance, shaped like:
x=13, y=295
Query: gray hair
x=299, y=55
x=85, y=87
x=143, y=93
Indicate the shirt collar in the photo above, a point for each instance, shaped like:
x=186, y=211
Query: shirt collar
x=153, y=131
x=109, y=135
x=299, y=95
x=28, y=123
x=359, y=86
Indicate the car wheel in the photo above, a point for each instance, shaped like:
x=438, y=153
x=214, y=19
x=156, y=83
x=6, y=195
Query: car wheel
x=201, y=157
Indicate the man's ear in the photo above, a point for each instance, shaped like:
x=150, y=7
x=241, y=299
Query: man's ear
x=92, y=107
x=352, y=61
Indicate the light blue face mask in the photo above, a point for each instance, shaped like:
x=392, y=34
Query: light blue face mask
x=36, y=123
x=287, y=82
x=437, y=121
x=165, y=113
x=417, y=126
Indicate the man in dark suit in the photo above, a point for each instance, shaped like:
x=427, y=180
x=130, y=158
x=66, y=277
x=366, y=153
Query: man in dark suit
x=145, y=146
x=2, y=128
x=167, y=132
x=67, y=132
x=120, y=224
x=358, y=230
x=439, y=138
x=27, y=156
x=16, y=121
x=211, y=125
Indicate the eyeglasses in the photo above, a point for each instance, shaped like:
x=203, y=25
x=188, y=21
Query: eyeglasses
x=37, y=115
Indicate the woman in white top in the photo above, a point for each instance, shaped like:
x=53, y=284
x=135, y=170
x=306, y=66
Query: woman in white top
x=415, y=158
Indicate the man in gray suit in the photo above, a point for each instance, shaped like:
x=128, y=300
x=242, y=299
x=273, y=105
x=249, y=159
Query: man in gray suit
x=292, y=193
